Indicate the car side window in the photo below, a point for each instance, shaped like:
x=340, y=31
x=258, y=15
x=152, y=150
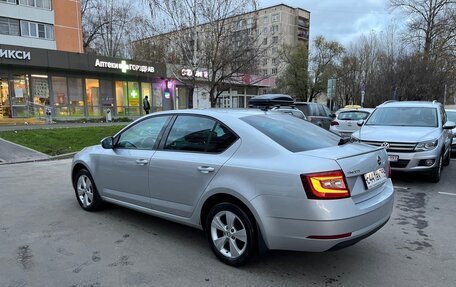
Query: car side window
x=221, y=138
x=144, y=134
x=190, y=133
x=444, y=116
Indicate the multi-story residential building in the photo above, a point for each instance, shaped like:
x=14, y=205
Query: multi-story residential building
x=45, y=24
x=271, y=28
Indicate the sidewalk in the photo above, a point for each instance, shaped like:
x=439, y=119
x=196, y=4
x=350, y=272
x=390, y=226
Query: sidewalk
x=59, y=125
x=13, y=153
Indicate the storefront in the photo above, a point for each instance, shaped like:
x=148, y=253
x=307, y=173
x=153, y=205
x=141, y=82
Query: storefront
x=79, y=85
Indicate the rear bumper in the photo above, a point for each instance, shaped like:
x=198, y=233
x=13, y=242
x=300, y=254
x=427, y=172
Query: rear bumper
x=287, y=223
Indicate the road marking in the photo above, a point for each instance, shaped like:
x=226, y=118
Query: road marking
x=447, y=193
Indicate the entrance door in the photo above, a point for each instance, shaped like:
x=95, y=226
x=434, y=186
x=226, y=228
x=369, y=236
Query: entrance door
x=4, y=98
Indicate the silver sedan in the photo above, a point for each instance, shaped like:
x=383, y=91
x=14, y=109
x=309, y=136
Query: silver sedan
x=252, y=180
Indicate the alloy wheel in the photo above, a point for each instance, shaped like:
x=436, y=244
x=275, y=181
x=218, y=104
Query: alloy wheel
x=85, y=190
x=228, y=234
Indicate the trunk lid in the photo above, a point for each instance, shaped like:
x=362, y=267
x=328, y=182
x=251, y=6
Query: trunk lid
x=356, y=160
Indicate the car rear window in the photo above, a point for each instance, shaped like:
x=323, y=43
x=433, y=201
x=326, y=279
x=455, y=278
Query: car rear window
x=353, y=116
x=404, y=116
x=292, y=133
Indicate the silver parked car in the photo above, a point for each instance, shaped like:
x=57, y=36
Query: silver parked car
x=346, y=121
x=416, y=135
x=250, y=179
x=451, y=114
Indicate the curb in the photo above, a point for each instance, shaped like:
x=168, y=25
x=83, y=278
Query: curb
x=57, y=157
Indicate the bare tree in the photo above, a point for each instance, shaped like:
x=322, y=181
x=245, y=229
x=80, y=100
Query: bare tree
x=294, y=79
x=109, y=26
x=323, y=61
x=429, y=21
x=210, y=36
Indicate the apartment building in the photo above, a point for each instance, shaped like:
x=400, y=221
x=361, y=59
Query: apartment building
x=271, y=28
x=45, y=24
x=278, y=26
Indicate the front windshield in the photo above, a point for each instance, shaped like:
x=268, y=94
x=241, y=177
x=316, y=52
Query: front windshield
x=451, y=116
x=404, y=116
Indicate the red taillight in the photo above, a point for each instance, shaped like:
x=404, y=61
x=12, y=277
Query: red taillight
x=334, y=123
x=325, y=185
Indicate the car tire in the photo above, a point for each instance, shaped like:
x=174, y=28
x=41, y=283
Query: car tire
x=231, y=234
x=437, y=170
x=86, y=192
x=446, y=161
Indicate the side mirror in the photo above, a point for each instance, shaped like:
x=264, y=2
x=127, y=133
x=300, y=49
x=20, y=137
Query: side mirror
x=360, y=123
x=449, y=125
x=107, y=143
x=333, y=116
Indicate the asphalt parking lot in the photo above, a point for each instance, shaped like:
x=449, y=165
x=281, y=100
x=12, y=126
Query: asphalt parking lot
x=48, y=240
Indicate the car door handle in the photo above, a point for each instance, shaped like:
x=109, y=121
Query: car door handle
x=142, y=161
x=205, y=169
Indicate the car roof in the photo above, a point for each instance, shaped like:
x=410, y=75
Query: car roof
x=411, y=104
x=357, y=110
x=216, y=112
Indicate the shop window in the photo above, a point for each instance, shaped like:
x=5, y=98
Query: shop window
x=182, y=98
x=20, y=96
x=40, y=90
x=106, y=96
x=157, y=102
x=93, y=97
x=146, y=90
x=60, y=96
x=76, y=98
x=127, y=98
x=133, y=98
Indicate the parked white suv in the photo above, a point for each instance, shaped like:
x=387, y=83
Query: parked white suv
x=416, y=135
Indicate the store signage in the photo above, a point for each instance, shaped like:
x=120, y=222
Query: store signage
x=124, y=66
x=15, y=54
x=198, y=74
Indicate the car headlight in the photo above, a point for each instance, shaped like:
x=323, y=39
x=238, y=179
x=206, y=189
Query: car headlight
x=427, y=145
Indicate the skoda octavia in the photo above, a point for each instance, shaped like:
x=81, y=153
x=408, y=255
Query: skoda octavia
x=252, y=180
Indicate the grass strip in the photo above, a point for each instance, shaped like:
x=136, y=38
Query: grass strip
x=60, y=140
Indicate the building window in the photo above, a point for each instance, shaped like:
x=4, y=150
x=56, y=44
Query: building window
x=265, y=61
x=275, y=39
x=43, y=4
x=274, y=29
x=264, y=72
x=275, y=17
x=274, y=50
x=265, y=41
x=40, y=92
x=9, y=1
x=93, y=97
x=60, y=96
x=9, y=26
x=76, y=97
x=274, y=71
x=37, y=30
x=127, y=97
x=265, y=30
x=265, y=20
x=275, y=61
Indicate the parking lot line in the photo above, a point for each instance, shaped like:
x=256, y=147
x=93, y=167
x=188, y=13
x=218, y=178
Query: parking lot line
x=447, y=193
x=401, y=187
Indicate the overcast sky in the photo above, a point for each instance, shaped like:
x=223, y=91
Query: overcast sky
x=343, y=20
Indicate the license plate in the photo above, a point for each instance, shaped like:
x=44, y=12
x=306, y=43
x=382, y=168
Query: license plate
x=393, y=158
x=374, y=178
